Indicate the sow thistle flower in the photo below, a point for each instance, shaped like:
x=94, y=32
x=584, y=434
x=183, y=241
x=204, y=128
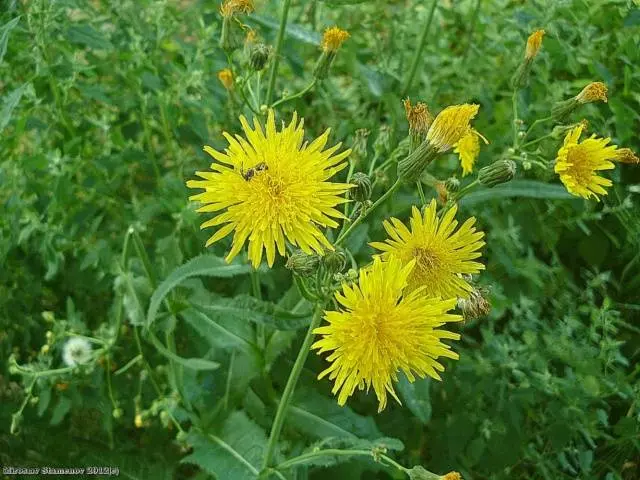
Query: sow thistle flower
x=594, y=92
x=534, y=43
x=332, y=40
x=232, y=7
x=442, y=255
x=448, y=128
x=226, y=78
x=270, y=187
x=578, y=164
x=468, y=149
x=383, y=328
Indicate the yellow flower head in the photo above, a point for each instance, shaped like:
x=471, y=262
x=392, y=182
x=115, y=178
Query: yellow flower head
x=450, y=125
x=578, y=163
x=226, y=78
x=231, y=7
x=595, y=91
x=442, y=254
x=382, y=329
x=418, y=116
x=333, y=38
x=534, y=42
x=626, y=155
x=452, y=476
x=468, y=149
x=272, y=187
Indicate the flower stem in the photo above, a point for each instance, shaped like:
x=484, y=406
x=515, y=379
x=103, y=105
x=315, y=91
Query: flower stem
x=461, y=193
x=359, y=220
x=276, y=428
x=295, y=95
x=472, y=26
x=514, y=103
x=276, y=55
x=334, y=452
x=418, y=53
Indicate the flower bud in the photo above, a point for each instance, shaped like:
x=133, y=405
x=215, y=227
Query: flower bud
x=362, y=192
x=383, y=142
x=302, y=264
x=117, y=413
x=334, y=261
x=259, y=56
x=498, y=172
x=226, y=78
x=534, y=42
x=452, y=184
x=359, y=148
x=411, y=167
x=45, y=349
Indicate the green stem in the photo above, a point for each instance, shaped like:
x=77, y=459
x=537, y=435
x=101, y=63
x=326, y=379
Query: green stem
x=418, y=53
x=536, y=123
x=461, y=193
x=129, y=364
x=142, y=253
x=278, y=422
x=421, y=192
x=537, y=140
x=359, y=220
x=352, y=166
x=373, y=164
x=257, y=293
x=295, y=95
x=514, y=104
x=292, y=462
x=276, y=54
x=472, y=27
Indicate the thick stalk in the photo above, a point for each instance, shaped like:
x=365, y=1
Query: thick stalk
x=278, y=422
x=276, y=55
x=418, y=53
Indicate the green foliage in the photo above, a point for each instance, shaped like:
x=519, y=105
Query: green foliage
x=104, y=110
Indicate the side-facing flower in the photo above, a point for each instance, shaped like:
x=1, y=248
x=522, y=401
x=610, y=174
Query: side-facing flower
x=333, y=39
x=594, y=92
x=77, y=351
x=270, y=187
x=442, y=253
x=381, y=329
x=626, y=155
x=226, y=78
x=578, y=164
x=534, y=42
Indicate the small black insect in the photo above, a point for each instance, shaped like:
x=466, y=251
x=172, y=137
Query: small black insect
x=249, y=174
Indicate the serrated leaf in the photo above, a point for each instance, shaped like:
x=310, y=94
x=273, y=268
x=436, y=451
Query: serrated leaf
x=234, y=453
x=9, y=103
x=320, y=417
x=86, y=35
x=518, y=188
x=416, y=397
x=5, y=30
x=204, y=265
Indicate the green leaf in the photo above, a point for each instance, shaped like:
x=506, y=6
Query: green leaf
x=135, y=291
x=88, y=36
x=9, y=104
x=192, y=363
x=324, y=454
x=244, y=308
x=416, y=397
x=60, y=410
x=321, y=417
x=4, y=35
x=233, y=453
x=221, y=331
x=293, y=30
x=204, y=265
x=518, y=188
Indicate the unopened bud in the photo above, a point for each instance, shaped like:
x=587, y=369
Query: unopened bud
x=226, y=78
x=335, y=261
x=303, y=264
x=359, y=148
x=117, y=413
x=362, y=191
x=48, y=317
x=498, y=172
x=452, y=184
x=259, y=56
x=383, y=142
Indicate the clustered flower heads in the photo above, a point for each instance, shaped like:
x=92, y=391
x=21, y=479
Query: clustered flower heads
x=76, y=351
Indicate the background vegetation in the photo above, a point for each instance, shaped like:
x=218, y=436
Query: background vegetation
x=104, y=109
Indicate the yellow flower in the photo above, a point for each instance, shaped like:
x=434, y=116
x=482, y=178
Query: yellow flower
x=592, y=93
x=226, y=78
x=468, y=149
x=451, y=125
x=578, y=163
x=418, y=116
x=626, y=155
x=442, y=255
x=452, y=476
x=534, y=42
x=382, y=329
x=333, y=38
x=272, y=187
x=230, y=7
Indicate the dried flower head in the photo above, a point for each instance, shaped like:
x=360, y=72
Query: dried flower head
x=333, y=38
x=595, y=91
x=77, y=351
x=578, y=164
x=418, y=116
x=442, y=253
x=626, y=155
x=231, y=7
x=534, y=42
x=271, y=187
x=450, y=125
x=226, y=78
x=384, y=328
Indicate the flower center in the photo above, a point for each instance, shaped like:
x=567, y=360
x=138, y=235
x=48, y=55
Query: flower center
x=426, y=259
